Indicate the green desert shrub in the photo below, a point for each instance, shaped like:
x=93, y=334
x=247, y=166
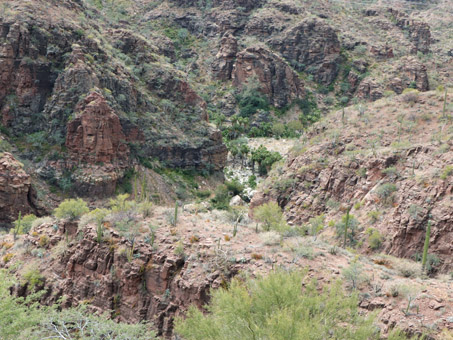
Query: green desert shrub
x=375, y=238
x=276, y=307
x=71, y=209
x=221, y=199
x=386, y=192
x=24, y=224
x=271, y=216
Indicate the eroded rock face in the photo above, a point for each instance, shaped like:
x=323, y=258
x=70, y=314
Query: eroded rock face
x=368, y=89
x=311, y=46
x=419, y=32
x=324, y=175
x=413, y=72
x=278, y=81
x=210, y=154
x=226, y=4
x=25, y=81
x=16, y=192
x=223, y=65
x=155, y=285
x=96, y=134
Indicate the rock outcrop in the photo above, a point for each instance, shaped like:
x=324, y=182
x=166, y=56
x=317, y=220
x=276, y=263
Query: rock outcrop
x=147, y=285
x=311, y=46
x=96, y=135
x=419, y=32
x=397, y=182
x=278, y=81
x=412, y=73
x=223, y=65
x=16, y=192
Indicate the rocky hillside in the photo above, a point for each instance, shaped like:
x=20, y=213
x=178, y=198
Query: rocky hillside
x=90, y=88
x=390, y=162
x=212, y=139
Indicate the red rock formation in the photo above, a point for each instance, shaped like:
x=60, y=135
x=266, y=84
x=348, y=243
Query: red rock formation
x=16, y=193
x=278, y=81
x=223, y=65
x=96, y=135
x=413, y=71
x=155, y=285
x=313, y=46
x=419, y=32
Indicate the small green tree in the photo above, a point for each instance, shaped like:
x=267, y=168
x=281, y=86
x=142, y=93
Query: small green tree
x=354, y=274
x=271, y=216
x=386, y=192
x=71, y=209
x=121, y=203
x=23, y=224
x=315, y=225
x=275, y=307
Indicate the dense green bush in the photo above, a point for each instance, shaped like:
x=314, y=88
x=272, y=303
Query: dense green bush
x=23, y=224
x=375, y=238
x=265, y=159
x=224, y=193
x=221, y=199
x=250, y=101
x=349, y=226
x=72, y=209
x=385, y=192
x=271, y=216
x=277, y=307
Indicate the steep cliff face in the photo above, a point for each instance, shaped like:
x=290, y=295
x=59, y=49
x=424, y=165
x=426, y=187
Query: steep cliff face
x=278, y=81
x=96, y=135
x=150, y=284
x=381, y=162
x=49, y=68
x=313, y=46
x=16, y=192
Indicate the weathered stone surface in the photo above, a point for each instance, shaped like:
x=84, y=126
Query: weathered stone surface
x=278, y=81
x=419, y=32
x=412, y=71
x=223, y=65
x=369, y=89
x=156, y=285
x=311, y=46
x=16, y=192
x=96, y=135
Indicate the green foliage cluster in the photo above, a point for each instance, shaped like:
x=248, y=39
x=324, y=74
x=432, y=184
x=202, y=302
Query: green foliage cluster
x=386, y=192
x=32, y=277
x=251, y=99
x=277, y=307
x=347, y=227
x=375, y=238
x=71, y=209
x=265, y=159
x=271, y=216
x=24, y=224
x=448, y=170
x=225, y=192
